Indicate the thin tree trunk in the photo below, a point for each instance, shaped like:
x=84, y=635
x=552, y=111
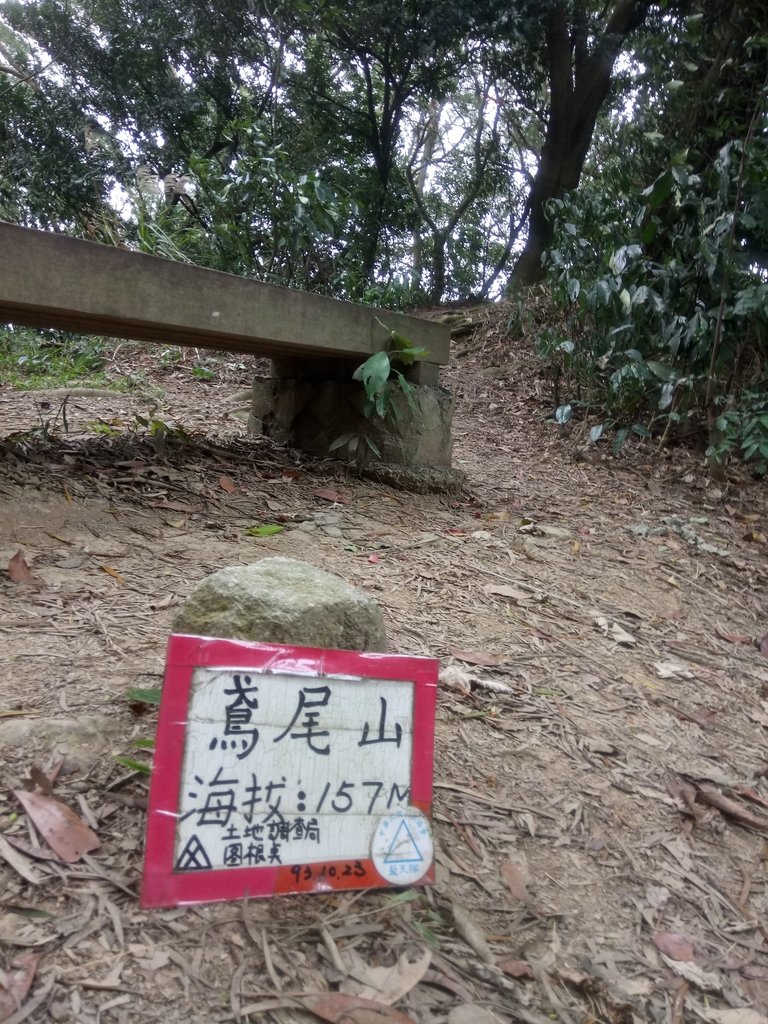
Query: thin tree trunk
x=431, y=135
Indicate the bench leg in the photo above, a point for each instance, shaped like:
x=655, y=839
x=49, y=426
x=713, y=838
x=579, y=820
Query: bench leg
x=310, y=404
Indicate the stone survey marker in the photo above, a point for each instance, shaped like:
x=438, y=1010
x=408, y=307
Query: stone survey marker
x=284, y=769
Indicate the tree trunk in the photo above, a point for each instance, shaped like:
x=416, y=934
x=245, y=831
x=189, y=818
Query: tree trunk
x=579, y=81
x=431, y=135
x=437, y=285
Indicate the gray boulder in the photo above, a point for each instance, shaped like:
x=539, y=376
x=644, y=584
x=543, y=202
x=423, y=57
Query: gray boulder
x=282, y=600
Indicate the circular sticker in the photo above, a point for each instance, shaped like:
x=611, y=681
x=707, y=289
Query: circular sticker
x=402, y=848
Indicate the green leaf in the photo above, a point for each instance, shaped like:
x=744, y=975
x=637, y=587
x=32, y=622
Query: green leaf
x=341, y=441
x=400, y=342
x=659, y=190
x=596, y=433
x=563, y=414
x=144, y=696
x=603, y=291
x=621, y=436
x=408, y=356
x=135, y=766
x=29, y=912
x=144, y=744
x=374, y=373
x=661, y=370
x=574, y=287
x=267, y=530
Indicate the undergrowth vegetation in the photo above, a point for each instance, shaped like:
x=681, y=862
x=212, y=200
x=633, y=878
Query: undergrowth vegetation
x=664, y=300
x=32, y=359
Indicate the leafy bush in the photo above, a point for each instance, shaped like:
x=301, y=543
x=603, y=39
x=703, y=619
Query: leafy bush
x=383, y=383
x=666, y=302
x=38, y=359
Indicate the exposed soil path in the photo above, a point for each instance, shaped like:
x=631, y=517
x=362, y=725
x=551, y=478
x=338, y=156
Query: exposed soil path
x=601, y=796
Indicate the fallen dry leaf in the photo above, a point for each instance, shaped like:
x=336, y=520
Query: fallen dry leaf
x=732, y=638
x=762, y=646
x=328, y=494
x=736, y=1015
x=471, y=933
x=540, y=530
x=473, y=1013
x=600, y=746
x=62, y=829
x=709, y=981
x=502, y=590
x=494, y=685
x=751, y=794
x=709, y=794
x=112, y=572
x=614, y=631
x=516, y=968
x=384, y=984
x=339, y=1008
x=456, y=678
x=685, y=792
x=18, y=569
x=176, y=506
x=672, y=670
x=476, y=658
x=516, y=881
x=15, y=983
x=226, y=483
x=675, y=945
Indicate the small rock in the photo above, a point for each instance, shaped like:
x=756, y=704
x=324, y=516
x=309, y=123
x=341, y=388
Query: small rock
x=283, y=600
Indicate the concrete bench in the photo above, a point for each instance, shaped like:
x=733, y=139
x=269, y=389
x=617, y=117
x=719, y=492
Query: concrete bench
x=50, y=280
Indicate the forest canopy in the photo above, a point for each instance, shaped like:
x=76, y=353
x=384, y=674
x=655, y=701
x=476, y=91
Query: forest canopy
x=416, y=151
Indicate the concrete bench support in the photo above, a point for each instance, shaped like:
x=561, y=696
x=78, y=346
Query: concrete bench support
x=305, y=408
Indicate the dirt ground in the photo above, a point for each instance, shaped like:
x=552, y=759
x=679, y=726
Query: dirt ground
x=601, y=803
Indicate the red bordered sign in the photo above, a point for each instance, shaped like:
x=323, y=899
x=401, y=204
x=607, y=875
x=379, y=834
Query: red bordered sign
x=281, y=769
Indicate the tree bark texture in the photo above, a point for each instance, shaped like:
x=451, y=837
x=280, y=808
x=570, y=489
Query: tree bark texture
x=579, y=82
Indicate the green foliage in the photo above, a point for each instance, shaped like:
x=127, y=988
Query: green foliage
x=665, y=296
x=382, y=380
x=144, y=695
x=140, y=767
x=743, y=432
x=161, y=432
x=383, y=384
x=292, y=130
x=266, y=530
x=50, y=359
x=202, y=372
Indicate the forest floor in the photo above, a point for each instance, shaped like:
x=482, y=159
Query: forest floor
x=601, y=800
